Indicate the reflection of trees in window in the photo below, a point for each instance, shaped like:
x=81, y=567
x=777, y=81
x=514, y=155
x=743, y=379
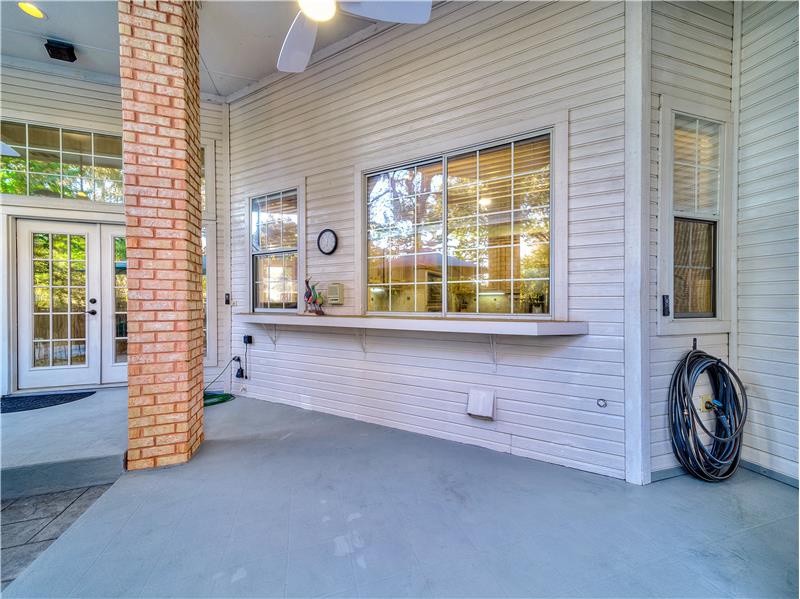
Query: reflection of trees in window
x=404, y=239
x=498, y=231
x=61, y=163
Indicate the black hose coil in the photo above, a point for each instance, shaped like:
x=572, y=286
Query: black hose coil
x=729, y=403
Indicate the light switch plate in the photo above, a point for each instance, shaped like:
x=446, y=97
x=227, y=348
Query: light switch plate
x=481, y=403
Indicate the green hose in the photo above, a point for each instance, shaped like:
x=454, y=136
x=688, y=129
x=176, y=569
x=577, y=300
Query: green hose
x=212, y=398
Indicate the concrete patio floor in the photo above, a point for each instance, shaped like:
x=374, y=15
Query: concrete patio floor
x=77, y=444
x=283, y=502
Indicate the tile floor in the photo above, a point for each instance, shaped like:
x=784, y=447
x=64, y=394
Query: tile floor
x=31, y=524
x=282, y=502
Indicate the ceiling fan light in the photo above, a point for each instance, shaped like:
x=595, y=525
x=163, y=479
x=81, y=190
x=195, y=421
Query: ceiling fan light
x=29, y=8
x=318, y=10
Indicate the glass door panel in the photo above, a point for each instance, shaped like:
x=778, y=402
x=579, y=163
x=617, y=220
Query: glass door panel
x=115, y=304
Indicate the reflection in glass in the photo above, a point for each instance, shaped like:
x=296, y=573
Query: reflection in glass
x=694, y=265
x=120, y=274
x=404, y=238
x=498, y=227
x=62, y=163
x=696, y=165
x=59, y=299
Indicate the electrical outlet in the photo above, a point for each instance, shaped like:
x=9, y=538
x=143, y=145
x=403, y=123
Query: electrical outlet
x=704, y=401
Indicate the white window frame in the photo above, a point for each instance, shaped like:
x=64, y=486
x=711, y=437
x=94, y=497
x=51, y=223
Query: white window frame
x=210, y=224
x=299, y=186
x=555, y=124
x=80, y=129
x=721, y=323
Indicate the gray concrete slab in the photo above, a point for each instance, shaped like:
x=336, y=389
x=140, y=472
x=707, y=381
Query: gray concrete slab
x=78, y=444
x=280, y=502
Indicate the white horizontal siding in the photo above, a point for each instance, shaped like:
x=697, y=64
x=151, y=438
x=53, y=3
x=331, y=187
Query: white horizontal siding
x=768, y=233
x=692, y=53
x=473, y=70
x=69, y=102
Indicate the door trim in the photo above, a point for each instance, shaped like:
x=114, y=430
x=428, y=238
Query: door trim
x=27, y=376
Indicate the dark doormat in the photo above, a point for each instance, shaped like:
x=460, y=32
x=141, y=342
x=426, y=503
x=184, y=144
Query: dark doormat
x=23, y=403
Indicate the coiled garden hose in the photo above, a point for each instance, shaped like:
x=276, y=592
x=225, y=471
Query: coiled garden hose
x=710, y=456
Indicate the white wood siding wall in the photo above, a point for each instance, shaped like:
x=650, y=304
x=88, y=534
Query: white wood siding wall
x=474, y=69
x=692, y=54
x=767, y=233
x=70, y=102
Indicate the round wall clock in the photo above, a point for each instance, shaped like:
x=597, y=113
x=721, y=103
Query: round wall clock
x=327, y=242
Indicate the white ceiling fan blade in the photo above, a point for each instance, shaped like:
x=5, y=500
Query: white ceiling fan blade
x=298, y=45
x=416, y=12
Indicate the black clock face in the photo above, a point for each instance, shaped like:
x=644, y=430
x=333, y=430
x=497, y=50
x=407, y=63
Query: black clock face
x=327, y=242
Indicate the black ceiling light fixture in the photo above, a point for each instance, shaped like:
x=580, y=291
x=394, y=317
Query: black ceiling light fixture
x=61, y=50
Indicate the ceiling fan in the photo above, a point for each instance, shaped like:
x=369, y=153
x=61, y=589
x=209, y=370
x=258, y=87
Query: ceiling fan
x=299, y=42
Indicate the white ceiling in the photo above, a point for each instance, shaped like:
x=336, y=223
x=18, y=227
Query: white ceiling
x=239, y=40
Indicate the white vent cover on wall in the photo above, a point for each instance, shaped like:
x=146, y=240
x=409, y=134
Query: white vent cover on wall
x=481, y=403
x=335, y=294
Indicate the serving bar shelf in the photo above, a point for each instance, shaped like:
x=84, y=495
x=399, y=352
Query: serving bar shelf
x=480, y=326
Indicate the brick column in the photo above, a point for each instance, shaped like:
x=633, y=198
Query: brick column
x=161, y=132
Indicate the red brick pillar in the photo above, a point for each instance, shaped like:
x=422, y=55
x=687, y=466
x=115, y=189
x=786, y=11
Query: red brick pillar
x=161, y=132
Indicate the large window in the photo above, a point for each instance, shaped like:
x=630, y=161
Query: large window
x=484, y=214
x=60, y=163
x=696, y=209
x=273, y=240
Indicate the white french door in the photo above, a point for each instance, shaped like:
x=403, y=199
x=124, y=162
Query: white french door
x=71, y=304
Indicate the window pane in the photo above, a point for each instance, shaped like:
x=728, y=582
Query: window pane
x=16, y=163
x=120, y=273
x=12, y=133
x=378, y=298
x=108, y=168
x=77, y=141
x=44, y=137
x=404, y=238
x=290, y=280
x=684, y=188
x=13, y=182
x=78, y=188
x=487, y=239
x=694, y=265
x=107, y=145
x=462, y=297
x=110, y=192
x=532, y=297
x=42, y=161
x=696, y=168
x=275, y=280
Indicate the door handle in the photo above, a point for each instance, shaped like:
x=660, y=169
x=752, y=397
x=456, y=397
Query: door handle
x=92, y=312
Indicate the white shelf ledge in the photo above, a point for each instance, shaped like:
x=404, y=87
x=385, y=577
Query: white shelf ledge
x=437, y=325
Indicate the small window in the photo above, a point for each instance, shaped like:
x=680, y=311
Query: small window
x=465, y=234
x=273, y=240
x=61, y=163
x=696, y=209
